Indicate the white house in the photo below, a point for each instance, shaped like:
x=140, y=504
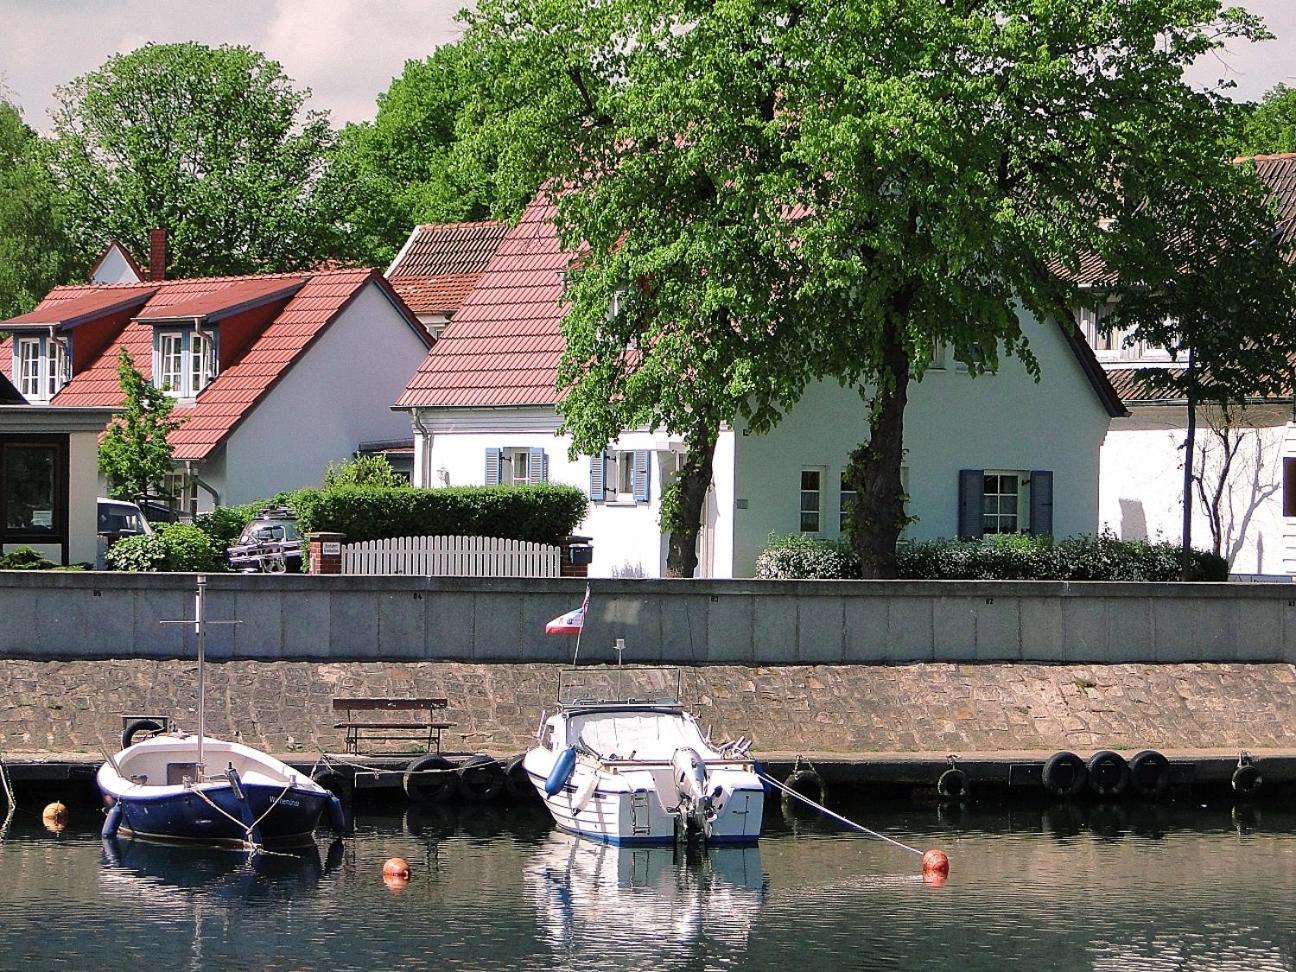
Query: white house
x=996, y=453
x=1247, y=460
x=274, y=375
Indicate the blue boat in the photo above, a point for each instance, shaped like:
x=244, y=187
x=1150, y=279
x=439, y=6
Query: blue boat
x=161, y=788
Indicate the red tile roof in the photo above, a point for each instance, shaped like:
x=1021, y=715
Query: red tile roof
x=89, y=302
x=434, y=249
x=503, y=346
x=231, y=297
x=442, y=294
x=223, y=404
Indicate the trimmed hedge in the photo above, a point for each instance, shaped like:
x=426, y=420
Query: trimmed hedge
x=543, y=513
x=24, y=558
x=171, y=547
x=1100, y=557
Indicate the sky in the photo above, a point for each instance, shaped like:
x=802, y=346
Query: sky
x=347, y=51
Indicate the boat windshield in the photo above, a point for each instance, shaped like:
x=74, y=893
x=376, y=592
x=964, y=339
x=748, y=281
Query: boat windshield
x=635, y=735
x=619, y=684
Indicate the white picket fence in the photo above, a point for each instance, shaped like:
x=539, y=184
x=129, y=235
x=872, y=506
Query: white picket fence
x=451, y=557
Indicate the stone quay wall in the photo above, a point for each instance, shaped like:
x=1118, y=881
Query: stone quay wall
x=75, y=707
x=74, y=615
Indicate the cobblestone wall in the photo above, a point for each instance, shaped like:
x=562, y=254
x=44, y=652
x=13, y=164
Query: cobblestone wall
x=285, y=706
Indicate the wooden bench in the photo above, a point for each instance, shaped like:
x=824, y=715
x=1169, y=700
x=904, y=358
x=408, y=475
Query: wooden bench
x=418, y=736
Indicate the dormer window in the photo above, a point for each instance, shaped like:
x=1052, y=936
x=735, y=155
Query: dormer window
x=184, y=361
x=41, y=366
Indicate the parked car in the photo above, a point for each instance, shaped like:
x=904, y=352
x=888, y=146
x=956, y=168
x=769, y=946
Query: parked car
x=121, y=518
x=270, y=543
x=156, y=511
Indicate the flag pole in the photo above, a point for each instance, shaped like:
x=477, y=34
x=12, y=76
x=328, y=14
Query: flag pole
x=581, y=629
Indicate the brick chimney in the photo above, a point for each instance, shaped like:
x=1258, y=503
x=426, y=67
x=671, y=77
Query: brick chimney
x=157, y=254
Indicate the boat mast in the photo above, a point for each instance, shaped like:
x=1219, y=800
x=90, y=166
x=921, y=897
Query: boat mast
x=200, y=768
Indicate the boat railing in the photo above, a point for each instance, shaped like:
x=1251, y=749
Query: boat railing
x=593, y=685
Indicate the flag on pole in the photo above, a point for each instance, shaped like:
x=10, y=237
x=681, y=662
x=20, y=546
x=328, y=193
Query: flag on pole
x=572, y=621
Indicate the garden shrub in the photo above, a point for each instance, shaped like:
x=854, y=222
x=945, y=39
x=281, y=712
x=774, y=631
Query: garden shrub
x=798, y=557
x=373, y=471
x=543, y=513
x=24, y=558
x=172, y=547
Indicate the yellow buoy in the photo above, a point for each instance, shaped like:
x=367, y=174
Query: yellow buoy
x=54, y=817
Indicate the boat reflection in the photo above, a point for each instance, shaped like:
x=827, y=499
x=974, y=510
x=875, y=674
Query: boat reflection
x=593, y=895
x=157, y=871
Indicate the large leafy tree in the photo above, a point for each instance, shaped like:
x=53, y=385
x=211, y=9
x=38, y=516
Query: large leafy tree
x=134, y=454
x=213, y=144
x=902, y=175
x=401, y=169
x=35, y=252
x=1270, y=125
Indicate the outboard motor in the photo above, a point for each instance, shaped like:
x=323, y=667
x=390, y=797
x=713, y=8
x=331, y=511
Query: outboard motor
x=690, y=776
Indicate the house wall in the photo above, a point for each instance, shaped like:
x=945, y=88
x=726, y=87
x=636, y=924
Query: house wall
x=1004, y=421
x=627, y=535
x=114, y=270
x=337, y=395
x=83, y=495
x=1141, y=493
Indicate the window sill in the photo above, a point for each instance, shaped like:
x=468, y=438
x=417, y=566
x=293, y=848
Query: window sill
x=623, y=503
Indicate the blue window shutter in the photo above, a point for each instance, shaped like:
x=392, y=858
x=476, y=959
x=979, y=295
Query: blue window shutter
x=536, y=465
x=971, y=491
x=596, y=476
x=492, y=467
x=1041, y=503
x=642, y=475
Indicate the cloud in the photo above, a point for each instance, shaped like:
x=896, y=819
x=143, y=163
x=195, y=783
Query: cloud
x=347, y=51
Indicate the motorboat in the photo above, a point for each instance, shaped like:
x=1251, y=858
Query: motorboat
x=161, y=788
x=630, y=765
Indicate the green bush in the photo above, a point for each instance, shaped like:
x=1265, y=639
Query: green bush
x=544, y=513
x=373, y=471
x=172, y=547
x=798, y=557
x=1015, y=557
x=224, y=524
x=24, y=558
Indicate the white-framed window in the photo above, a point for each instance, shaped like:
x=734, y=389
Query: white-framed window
x=1004, y=504
x=1114, y=344
x=515, y=464
x=812, y=479
x=845, y=501
x=185, y=362
x=41, y=366
x=621, y=476
x=183, y=490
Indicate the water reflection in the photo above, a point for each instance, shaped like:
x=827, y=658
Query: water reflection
x=590, y=895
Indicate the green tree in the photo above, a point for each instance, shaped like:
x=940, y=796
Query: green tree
x=906, y=175
x=135, y=455
x=399, y=170
x=213, y=144
x=35, y=252
x=373, y=471
x=1270, y=125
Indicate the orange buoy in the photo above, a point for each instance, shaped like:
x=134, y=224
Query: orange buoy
x=935, y=864
x=397, y=868
x=54, y=817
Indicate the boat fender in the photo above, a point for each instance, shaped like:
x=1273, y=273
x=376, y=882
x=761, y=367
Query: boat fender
x=759, y=769
x=516, y=781
x=135, y=727
x=808, y=783
x=481, y=778
x=953, y=784
x=337, y=817
x=1109, y=774
x=1247, y=779
x=586, y=793
x=690, y=773
x=336, y=782
x=112, y=822
x=1065, y=774
x=561, y=772
x=1149, y=773
x=430, y=779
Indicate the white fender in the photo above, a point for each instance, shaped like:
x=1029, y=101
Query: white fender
x=689, y=773
x=584, y=792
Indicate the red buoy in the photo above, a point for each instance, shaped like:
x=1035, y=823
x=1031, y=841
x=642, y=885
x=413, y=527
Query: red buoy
x=935, y=864
x=398, y=868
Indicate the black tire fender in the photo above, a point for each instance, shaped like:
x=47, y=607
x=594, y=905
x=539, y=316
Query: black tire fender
x=135, y=727
x=809, y=784
x=430, y=779
x=953, y=784
x=516, y=781
x=1109, y=774
x=1064, y=774
x=1149, y=773
x=1247, y=779
x=336, y=782
x=481, y=778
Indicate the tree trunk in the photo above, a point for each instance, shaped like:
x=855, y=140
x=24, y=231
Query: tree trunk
x=874, y=470
x=684, y=510
x=1190, y=444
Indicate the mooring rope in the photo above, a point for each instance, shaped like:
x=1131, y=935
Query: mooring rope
x=4, y=778
x=836, y=816
x=250, y=844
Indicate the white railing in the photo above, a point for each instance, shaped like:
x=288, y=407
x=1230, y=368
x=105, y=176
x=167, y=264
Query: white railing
x=451, y=557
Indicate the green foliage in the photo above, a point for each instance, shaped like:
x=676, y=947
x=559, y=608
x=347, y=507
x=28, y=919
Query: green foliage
x=213, y=144
x=544, y=513
x=171, y=547
x=35, y=252
x=24, y=558
x=1270, y=126
x=135, y=454
x=400, y=169
x=373, y=471
x=798, y=557
x=224, y=524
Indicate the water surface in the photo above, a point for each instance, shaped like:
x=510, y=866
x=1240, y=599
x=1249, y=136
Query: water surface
x=1105, y=888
